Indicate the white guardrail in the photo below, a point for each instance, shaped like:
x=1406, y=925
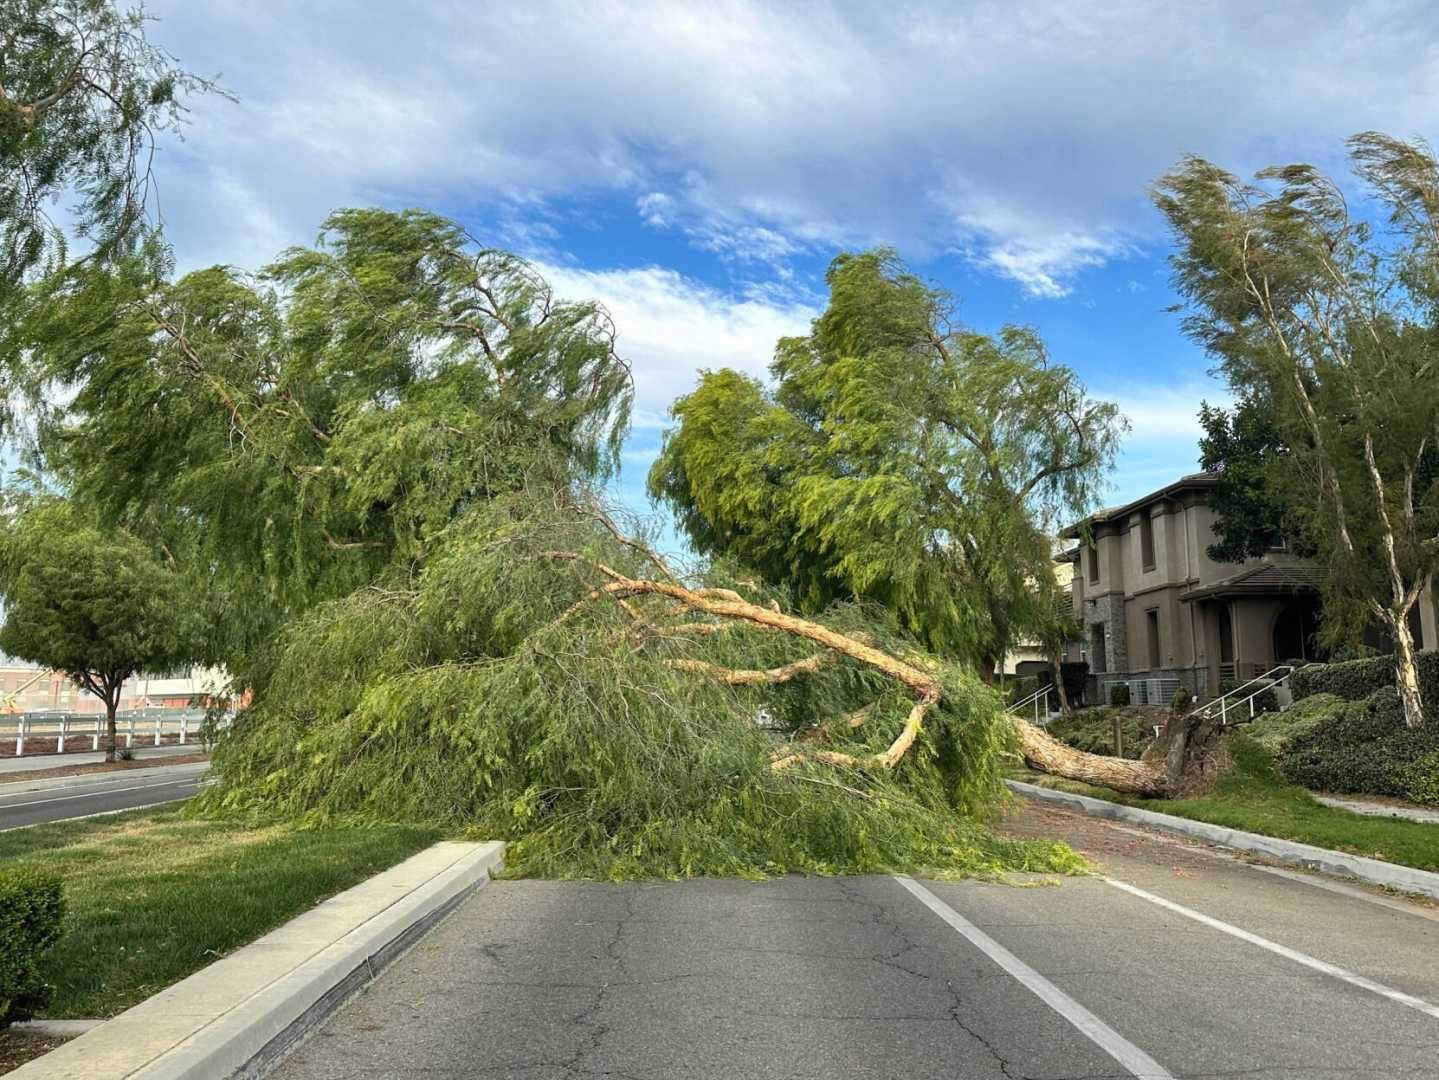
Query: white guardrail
x=56, y=732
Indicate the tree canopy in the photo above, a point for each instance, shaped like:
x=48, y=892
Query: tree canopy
x=98, y=605
x=290, y=436
x=1329, y=319
x=83, y=96
x=899, y=458
x=1243, y=446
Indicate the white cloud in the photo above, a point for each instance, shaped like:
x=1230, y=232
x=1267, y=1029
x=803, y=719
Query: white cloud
x=1023, y=133
x=1163, y=441
x=671, y=328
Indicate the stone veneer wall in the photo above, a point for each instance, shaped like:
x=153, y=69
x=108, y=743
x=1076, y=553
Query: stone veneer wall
x=1109, y=610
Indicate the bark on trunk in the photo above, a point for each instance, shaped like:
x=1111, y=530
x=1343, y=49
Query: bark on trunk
x=1058, y=668
x=109, y=730
x=1044, y=752
x=1406, y=673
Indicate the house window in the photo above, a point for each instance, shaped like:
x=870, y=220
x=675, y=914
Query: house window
x=1151, y=617
x=1094, y=564
x=1146, y=539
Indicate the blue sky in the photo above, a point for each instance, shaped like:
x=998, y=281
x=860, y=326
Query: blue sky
x=695, y=167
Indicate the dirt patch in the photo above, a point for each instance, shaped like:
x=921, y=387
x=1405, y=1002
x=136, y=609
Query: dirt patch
x=49, y=742
x=16, y=1048
x=102, y=767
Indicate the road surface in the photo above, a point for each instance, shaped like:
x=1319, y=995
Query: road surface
x=99, y=794
x=1174, y=962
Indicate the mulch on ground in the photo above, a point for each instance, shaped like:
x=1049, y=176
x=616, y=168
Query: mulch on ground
x=16, y=1047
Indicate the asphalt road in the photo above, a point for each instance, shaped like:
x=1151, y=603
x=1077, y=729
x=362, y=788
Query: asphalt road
x=88, y=795
x=1174, y=962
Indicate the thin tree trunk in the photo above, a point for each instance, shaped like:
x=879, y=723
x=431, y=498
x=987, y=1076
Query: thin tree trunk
x=110, y=705
x=1058, y=669
x=1406, y=673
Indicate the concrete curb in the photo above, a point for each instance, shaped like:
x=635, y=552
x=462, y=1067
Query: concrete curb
x=1340, y=864
x=240, y=1015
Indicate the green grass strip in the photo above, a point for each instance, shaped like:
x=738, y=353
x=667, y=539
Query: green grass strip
x=152, y=896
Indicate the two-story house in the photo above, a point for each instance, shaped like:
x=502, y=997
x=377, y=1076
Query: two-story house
x=1158, y=613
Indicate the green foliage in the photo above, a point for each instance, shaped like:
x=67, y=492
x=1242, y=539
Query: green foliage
x=1244, y=448
x=464, y=695
x=96, y=604
x=292, y=436
x=1119, y=694
x=1355, y=680
x=31, y=907
x=83, y=95
x=1328, y=327
x=1092, y=730
x=899, y=459
x=1362, y=747
x=1274, y=730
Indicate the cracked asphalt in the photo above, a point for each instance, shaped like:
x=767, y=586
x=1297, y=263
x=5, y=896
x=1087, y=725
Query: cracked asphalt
x=803, y=978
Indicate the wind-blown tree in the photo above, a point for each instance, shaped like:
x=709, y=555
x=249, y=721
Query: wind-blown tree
x=292, y=436
x=83, y=97
x=1332, y=322
x=99, y=605
x=900, y=459
x=1243, y=446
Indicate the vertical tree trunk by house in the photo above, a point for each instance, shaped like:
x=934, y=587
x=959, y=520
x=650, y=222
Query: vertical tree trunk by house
x=1058, y=670
x=1406, y=672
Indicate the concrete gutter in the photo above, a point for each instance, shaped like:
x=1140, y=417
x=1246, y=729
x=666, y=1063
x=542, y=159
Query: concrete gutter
x=240, y=1015
x=1339, y=863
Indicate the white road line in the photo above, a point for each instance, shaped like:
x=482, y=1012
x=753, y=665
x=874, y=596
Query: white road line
x=1282, y=950
x=94, y=794
x=1092, y=1027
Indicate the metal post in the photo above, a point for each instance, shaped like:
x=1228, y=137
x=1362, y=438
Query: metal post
x=1223, y=712
x=95, y=738
x=130, y=733
x=60, y=743
x=20, y=737
x=184, y=726
x=159, y=727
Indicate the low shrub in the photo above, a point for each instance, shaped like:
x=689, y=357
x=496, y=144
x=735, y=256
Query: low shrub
x=1092, y=730
x=31, y=906
x=1275, y=730
x=1119, y=694
x=1356, y=680
x=1362, y=747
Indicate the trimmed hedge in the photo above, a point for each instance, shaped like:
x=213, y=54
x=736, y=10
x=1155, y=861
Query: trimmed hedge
x=1356, y=680
x=31, y=906
x=1276, y=730
x=1363, y=747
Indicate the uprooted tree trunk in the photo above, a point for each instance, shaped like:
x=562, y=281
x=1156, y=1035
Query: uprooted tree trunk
x=1186, y=740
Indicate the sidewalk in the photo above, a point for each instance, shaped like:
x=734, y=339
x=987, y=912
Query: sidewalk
x=1357, y=805
x=31, y=762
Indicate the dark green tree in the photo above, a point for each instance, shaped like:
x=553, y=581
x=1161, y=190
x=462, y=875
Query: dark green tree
x=1332, y=324
x=83, y=97
x=1244, y=447
x=900, y=458
x=98, y=605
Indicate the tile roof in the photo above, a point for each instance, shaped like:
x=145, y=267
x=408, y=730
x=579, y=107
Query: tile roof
x=1267, y=579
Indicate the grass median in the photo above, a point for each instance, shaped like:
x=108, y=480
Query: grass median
x=152, y=896
x=1254, y=798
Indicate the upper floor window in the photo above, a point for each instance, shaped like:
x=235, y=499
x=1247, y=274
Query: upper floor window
x=1093, y=564
x=1146, y=539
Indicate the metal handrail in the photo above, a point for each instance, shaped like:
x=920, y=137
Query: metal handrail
x=1206, y=711
x=1033, y=700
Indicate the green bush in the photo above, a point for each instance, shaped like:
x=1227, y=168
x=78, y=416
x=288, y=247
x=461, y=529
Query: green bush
x=1092, y=730
x=1422, y=778
x=1362, y=747
x=31, y=905
x=1356, y=680
x=1275, y=730
x=1119, y=694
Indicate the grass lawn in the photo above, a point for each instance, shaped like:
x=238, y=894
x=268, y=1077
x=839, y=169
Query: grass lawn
x=1253, y=798
x=152, y=896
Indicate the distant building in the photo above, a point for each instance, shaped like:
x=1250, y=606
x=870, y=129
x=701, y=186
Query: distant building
x=1158, y=613
x=28, y=688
